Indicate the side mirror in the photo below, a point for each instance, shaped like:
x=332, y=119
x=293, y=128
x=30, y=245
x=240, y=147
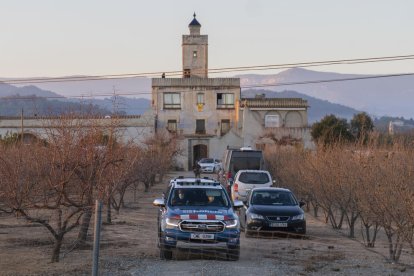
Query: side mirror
x=246, y=203
x=159, y=202
x=237, y=204
x=301, y=204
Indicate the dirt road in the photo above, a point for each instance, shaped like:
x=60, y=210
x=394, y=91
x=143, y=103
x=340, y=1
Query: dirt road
x=129, y=248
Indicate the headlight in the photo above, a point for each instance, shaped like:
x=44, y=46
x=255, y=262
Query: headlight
x=256, y=216
x=299, y=217
x=172, y=223
x=232, y=223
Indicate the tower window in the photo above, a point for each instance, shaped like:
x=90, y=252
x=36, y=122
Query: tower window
x=194, y=54
x=187, y=73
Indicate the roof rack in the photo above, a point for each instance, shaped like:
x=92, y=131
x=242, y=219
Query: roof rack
x=198, y=183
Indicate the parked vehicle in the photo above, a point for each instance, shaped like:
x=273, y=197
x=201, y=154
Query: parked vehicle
x=240, y=159
x=197, y=214
x=209, y=165
x=246, y=180
x=272, y=209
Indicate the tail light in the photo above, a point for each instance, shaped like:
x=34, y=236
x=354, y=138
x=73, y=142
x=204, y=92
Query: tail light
x=236, y=187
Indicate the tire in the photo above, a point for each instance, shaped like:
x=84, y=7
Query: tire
x=233, y=254
x=165, y=254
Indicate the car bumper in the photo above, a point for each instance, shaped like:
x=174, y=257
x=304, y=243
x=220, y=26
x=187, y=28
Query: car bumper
x=298, y=226
x=229, y=239
x=238, y=196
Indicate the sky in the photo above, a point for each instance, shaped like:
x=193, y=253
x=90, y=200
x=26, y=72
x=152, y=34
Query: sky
x=49, y=38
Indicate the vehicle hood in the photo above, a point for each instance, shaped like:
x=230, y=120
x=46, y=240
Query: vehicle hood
x=202, y=212
x=274, y=210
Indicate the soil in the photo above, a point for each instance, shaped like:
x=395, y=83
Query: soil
x=128, y=247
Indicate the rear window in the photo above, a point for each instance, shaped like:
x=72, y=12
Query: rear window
x=245, y=160
x=254, y=177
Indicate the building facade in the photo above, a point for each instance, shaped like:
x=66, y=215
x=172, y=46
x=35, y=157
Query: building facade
x=209, y=115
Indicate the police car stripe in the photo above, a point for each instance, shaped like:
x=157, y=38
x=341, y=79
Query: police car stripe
x=202, y=216
x=210, y=216
x=193, y=216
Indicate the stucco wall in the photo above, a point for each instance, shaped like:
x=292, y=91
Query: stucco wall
x=129, y=128
x=188, y=113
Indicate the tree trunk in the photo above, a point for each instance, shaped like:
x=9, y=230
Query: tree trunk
x=86, y=219
x=56, y=248
x=351, y=223
x=341, y=220
x=108, y=211
x=315, y=208
x=135, y=193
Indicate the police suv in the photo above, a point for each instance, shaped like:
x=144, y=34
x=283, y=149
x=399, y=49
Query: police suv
x=197, y=214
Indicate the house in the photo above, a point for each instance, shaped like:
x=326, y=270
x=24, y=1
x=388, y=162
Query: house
x=207, y=113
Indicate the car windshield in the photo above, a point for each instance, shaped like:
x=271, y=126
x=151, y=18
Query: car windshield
x=198, y=197
x=254, y=177
x=206, y=160
x=281, y=198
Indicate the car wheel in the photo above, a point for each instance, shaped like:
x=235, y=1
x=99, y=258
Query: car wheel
x=233, y=254
x=165, y=254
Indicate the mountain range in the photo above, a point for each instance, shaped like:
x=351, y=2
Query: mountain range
x=392, y=96
x=377, y=96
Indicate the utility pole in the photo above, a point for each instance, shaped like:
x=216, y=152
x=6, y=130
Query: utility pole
x=97, y=237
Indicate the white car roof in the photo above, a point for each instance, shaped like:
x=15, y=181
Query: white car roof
x=256, y=171
x=271, y=189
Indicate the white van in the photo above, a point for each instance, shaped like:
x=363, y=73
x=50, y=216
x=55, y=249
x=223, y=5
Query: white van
x=246, y=180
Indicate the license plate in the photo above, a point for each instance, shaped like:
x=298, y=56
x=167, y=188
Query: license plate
x=202, y=236
x=278, y=224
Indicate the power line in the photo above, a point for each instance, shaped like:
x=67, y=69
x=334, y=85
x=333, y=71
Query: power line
x=109, y=94
x=213, y=71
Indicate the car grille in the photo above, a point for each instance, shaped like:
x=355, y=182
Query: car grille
x=278, y=218
x=202, y=226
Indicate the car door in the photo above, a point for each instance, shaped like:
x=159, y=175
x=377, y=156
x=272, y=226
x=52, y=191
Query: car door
x=242, y=213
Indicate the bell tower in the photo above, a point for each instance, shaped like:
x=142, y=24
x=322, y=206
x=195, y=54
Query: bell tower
x=195, y=52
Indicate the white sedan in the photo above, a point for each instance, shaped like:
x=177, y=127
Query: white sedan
x=209, y=165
